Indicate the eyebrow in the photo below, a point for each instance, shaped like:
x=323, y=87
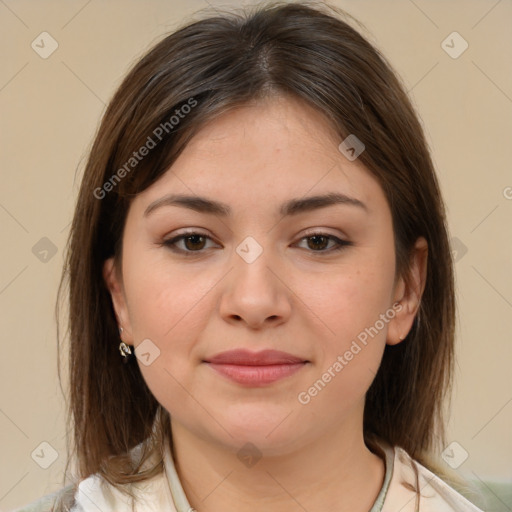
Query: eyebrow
x=290, y=207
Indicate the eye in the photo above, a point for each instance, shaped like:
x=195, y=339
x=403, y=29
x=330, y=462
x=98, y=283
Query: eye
x=194, y=242
x=318, y=242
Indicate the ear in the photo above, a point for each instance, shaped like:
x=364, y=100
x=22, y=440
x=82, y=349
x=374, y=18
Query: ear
x=408, y=294
x=113, y=280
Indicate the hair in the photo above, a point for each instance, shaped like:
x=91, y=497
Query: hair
x=216, y=64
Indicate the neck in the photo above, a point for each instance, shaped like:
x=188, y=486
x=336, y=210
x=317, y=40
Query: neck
x=335, y=471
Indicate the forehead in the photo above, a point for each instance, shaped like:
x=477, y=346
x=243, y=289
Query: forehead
x=268, y=150
x=273, y=130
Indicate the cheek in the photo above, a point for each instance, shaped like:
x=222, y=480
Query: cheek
x=162, y=299
x=171, y=306
x=168, y=307
x=348, y=299
x=349, y=303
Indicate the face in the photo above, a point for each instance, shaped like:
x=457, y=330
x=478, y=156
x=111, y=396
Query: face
x=315, y=280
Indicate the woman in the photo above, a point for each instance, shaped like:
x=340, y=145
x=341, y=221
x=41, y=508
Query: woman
x=260, y=238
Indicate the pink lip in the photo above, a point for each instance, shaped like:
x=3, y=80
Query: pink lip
x=255, y=368
x=262, y=358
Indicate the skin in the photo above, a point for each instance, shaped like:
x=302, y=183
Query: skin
x=293, y=298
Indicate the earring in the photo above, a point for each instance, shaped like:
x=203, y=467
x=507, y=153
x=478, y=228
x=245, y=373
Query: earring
x=124, y=349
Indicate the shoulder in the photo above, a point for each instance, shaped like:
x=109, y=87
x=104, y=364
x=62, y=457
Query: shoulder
x=94, y=493
x=151, y=495
x=47, y=503
x=435, y=494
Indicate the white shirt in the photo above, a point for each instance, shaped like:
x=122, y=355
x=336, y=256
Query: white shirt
x=164, y=492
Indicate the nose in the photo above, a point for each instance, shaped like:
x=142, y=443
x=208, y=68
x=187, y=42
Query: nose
x=256, y=293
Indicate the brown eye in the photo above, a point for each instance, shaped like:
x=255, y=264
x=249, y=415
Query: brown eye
x=194, y=242
x=190, y=243
x=319, y=242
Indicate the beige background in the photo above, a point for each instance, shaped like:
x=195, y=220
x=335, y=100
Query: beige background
x=50, y=109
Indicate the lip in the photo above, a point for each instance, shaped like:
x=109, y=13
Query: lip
x=255, y=368
x=248, y=358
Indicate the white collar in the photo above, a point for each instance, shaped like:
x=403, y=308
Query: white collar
x=435, y=494
x=165, y=492
x=158, y=493
x=180, y=501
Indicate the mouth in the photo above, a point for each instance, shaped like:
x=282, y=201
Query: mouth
x=255, y=368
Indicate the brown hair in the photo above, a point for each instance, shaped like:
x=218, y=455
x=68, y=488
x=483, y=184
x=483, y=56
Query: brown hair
x=222, y=62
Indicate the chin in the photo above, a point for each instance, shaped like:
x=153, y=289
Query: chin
x=271, y=429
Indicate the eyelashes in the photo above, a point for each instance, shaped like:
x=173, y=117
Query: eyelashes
x=195, y=238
